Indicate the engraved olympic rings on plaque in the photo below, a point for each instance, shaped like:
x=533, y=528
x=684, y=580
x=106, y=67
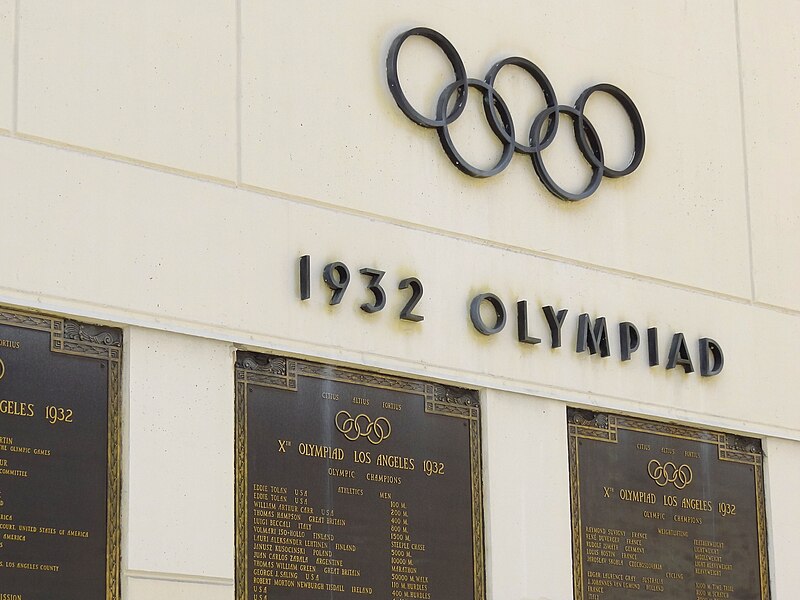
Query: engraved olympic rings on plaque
x=501, y=123
x=362, y=426
x=667, y=473
x=2, y=368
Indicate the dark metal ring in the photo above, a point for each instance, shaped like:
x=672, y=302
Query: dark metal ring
x=594, y=148
x=501, y=122
x=507, y=126
x=549, y=97
x=636, y=123
x=393, y=79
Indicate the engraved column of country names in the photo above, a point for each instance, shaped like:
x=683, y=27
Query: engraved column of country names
x=19, y=462
x=620, y=548
x=408, y=581
x=299, y=546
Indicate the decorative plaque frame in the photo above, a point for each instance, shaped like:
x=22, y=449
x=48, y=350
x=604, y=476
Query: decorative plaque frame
x=692, y=472
x=282, y=373
x=71, y=337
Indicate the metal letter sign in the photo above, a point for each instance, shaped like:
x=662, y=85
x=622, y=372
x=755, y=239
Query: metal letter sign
x=499, y=117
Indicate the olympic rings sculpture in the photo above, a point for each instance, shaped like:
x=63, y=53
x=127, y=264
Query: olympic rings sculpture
x=362, y=426
x=680, y=477
x=501, y=123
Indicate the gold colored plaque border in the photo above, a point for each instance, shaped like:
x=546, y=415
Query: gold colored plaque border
x=282, y=373
x=603, y=427
x=102, y=343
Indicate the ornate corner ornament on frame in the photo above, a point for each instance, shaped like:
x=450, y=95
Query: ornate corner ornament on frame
x=60, y=457
x=501, y=123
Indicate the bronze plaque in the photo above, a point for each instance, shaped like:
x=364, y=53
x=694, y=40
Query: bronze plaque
x=665, y=511
x=59, y=458
x=354, y=485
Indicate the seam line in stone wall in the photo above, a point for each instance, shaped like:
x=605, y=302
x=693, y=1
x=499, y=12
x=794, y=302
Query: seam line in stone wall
x=649, y=279
x=121, y=158
x=777, y=308
x=179, y=577
x=742, y=115
x=238, y=92
x=15, y=66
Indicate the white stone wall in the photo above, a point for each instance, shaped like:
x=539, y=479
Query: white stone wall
x=165, y=163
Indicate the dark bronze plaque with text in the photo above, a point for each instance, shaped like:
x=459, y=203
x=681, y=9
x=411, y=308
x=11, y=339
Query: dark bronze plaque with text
x=59, y=458
x=354, y=485
x=665, y=511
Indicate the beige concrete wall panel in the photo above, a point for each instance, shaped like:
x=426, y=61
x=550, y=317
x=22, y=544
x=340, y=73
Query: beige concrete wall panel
x=783, y=482
x=151, y=80
x=165, y=589
x=318, y=121
x=7, y=17
x=526, y=476
x=180, y=459
x=770, y=45
x=139, y=246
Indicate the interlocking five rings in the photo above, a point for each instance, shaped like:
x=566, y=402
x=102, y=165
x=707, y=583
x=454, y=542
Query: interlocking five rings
x=362, y=426
x=499, y=117
x=680, y=477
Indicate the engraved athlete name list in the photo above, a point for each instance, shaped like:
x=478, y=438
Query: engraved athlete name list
x=355, y=485
x=665, y=511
